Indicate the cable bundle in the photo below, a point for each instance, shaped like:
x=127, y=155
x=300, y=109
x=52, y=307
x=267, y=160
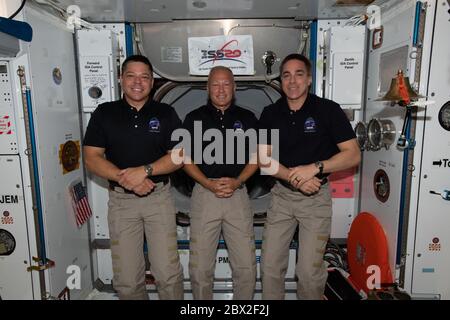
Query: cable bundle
x=335, y=256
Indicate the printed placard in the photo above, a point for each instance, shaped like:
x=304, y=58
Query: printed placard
x=234, y=52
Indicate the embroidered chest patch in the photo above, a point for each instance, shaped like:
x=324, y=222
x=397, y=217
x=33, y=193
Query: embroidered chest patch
x=310, y=126
x=154, y=125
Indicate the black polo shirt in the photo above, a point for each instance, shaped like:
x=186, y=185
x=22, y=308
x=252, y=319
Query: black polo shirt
x=132, y=138
x=235, y=118
x=309, y=134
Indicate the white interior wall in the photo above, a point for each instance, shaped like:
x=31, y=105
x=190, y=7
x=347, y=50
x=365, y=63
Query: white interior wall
x=8, y=7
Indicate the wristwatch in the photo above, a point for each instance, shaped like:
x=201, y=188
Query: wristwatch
x=148, y=170
x=319, y=165
x=241, y=183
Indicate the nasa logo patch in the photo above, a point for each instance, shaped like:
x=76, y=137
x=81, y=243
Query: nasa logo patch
x=154, y=125
x=237, y=125
x=310, y=126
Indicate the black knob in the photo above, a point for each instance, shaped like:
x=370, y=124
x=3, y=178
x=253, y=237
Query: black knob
x=95, y=92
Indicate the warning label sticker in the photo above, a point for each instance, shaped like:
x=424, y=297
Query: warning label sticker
x=5, y=125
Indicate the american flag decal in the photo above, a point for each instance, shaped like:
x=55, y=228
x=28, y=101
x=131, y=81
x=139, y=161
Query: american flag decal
x=80, y=204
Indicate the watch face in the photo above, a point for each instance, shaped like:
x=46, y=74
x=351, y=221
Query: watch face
x=319, y=164
x=148, y=169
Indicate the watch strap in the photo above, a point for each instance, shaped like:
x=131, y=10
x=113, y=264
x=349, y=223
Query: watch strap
x=148, y=169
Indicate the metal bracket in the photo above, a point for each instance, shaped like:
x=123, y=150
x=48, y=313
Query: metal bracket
x=41, y=266
x=445, y=194
x=411, y=143
x=404, y=143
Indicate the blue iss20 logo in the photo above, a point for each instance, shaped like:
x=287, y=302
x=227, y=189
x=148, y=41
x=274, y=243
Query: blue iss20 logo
x=224, y=53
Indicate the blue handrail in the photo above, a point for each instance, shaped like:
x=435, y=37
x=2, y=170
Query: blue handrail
x=313, y=54
x=417, y=23
x=37, y=187
x=129, y=39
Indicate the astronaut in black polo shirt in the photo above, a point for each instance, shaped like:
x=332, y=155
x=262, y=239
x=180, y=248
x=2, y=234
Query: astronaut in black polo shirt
x=315, y=139
x=129, y=143
x=220, y=202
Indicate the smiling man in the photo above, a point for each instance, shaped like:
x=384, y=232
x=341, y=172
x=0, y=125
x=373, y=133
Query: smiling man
x=128, y=142
x=220, y=203
x=315, y=139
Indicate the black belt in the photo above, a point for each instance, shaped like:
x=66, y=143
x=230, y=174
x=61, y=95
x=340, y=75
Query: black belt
x=114, y=186
x=291, y=187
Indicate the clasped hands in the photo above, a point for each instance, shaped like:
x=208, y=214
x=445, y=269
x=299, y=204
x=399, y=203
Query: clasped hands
x=301, y=177
x=136, y=180
x=304, y=178
x=223, y=187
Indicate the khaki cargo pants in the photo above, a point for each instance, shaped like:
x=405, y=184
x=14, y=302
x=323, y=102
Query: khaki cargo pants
x=129, y=217
x=233, y=216
x=313, y=216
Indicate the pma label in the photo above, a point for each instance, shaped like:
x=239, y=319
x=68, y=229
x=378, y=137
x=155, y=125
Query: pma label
x=223, y=260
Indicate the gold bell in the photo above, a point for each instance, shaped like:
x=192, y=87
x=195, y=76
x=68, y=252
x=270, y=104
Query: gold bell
x=400, y=90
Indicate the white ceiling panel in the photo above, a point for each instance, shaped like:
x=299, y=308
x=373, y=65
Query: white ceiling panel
x=168, y=10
